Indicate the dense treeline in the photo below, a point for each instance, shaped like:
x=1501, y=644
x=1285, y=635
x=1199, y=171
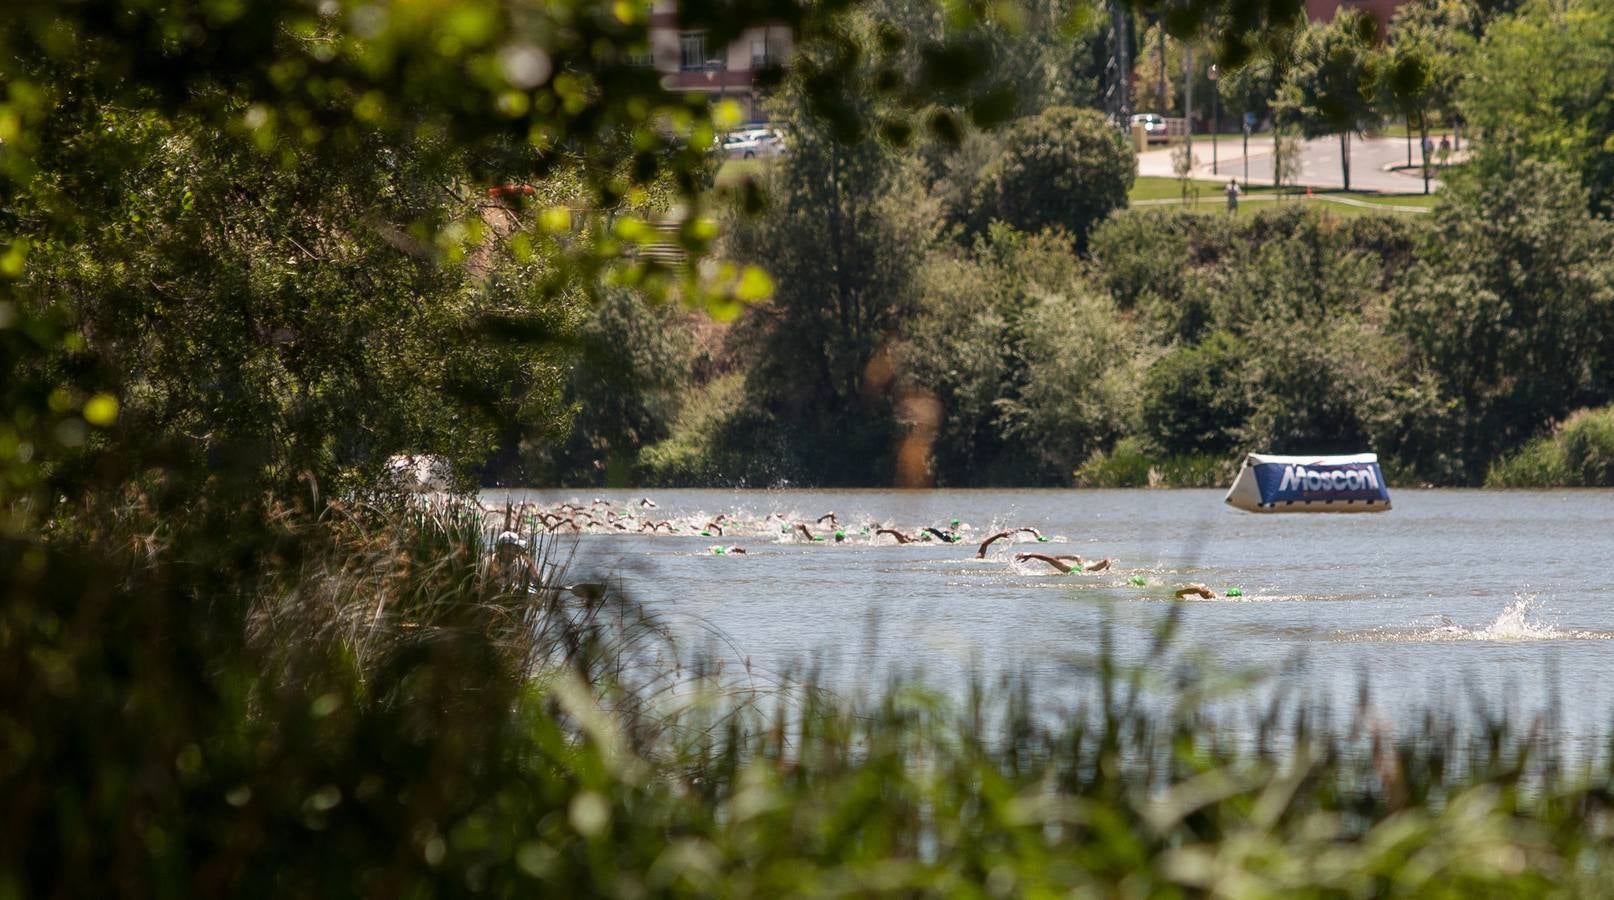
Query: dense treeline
x=994, y=316
x=1176, y=339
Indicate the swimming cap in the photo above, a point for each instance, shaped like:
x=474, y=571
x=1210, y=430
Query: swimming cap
x=954, y=523
x=1137, y=581
x=840, y=535
x=1235, y=592
x=1041, y=539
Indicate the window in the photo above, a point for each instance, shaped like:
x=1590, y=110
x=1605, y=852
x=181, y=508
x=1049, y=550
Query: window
x=692, y=50
x=640, y=57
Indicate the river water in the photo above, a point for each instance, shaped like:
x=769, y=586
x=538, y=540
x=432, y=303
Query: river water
x=1451, y=599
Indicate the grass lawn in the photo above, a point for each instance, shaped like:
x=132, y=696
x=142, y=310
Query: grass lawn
x=1165, y=193
x=733, y=170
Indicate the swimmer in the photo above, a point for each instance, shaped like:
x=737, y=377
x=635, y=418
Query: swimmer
x=1058, y=562
x=833, y=522
x=511, y=556
x=901, y=538
x=981, y=552
x=712, y=528
x=802, y=527
x=727, y=551
x=946, y=537
x=647, y=503
x=1099, y=566
x=1195, y=590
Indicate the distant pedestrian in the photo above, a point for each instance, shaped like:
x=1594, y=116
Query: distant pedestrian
x=1232, y=196
x=1428, y=146
x=1445, y=150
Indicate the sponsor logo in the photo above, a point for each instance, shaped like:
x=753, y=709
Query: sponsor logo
x=1301, y=478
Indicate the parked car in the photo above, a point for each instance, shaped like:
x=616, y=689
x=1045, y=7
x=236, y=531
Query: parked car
x=1154, y=127
x=753, y=143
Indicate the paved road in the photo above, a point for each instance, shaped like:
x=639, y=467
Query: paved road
x=1319, y=163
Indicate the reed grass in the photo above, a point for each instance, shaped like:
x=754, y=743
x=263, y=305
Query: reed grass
x=411, y=708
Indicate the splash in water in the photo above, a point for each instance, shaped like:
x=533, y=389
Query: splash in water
x=1520, y=620
x=1517, y=622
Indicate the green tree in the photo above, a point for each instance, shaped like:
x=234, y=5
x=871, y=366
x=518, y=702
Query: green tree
x=1563, y=110
x=1196, y=398
x=1327, y=90
x=962, y=346
x=843, y=237
x=1080, y=389
x=1253, y=86
x=1065, y=168
x=1421, y=67
x=625, y=389
x=1509, y=307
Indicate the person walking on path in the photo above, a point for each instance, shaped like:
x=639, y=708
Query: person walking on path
x=1232, y=196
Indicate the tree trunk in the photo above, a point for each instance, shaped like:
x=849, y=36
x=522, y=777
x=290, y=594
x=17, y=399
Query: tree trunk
x=1345, y=157
x=1423, y=145
x=1277, y=159
x=837, y=236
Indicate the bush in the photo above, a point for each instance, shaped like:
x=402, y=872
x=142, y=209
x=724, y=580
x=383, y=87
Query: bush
x=1066, y=168
x=1082, y=364
x=1580, y=453
x=1196, y=397
x=1130, y=464
x=693, y=453
x=961, y=346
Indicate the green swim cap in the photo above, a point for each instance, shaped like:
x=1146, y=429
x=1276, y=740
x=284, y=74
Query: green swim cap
x=705, y=533
x=1137, y=581
x=1235, y=592
x=1041, y=539
x=955, y=523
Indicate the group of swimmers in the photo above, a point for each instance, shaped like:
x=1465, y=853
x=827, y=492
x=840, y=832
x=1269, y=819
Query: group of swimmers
x=637, y=517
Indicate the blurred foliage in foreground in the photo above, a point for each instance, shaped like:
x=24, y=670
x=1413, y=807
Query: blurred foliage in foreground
x=395, y=708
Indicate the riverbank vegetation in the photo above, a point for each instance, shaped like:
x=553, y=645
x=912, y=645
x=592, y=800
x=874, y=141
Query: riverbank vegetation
x=385, y=701
x=1043, y=358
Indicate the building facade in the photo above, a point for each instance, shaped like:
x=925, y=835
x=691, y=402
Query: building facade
x=689, y=62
